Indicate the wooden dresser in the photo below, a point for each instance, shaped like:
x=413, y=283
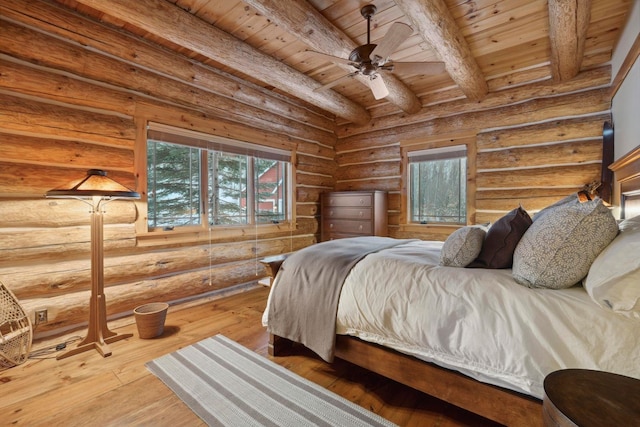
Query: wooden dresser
x=353, y=213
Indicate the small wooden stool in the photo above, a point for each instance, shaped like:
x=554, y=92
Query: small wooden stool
x=584, y=398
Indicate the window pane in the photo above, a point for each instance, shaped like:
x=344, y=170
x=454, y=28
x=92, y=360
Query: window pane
x=173, y=184
x=270, y=190
x=227, y=188
x=438, y=191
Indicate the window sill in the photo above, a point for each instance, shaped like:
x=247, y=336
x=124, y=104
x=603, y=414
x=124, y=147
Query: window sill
x=439, y=228
x=214, y=234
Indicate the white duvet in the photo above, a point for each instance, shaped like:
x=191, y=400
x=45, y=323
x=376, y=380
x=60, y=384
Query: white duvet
x=481, y=322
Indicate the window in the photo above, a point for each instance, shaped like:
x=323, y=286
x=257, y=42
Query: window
x=227, y=182
x=195, y=179
x=173, y=184
x=437, y=185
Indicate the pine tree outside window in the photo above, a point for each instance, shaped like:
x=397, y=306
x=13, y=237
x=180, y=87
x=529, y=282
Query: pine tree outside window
x=173, y=185
x=227, y=188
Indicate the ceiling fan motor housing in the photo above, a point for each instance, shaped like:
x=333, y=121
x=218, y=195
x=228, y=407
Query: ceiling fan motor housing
x=361, y=56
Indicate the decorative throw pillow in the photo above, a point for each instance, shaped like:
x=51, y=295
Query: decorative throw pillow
x=502, y=238
x=557, y=250
x=614, y=277
x=462, y=246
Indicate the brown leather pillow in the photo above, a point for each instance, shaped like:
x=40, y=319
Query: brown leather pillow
x=501, y=240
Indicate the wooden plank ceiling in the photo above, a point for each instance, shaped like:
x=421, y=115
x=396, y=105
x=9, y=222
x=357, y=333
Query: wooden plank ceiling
x=486, y=45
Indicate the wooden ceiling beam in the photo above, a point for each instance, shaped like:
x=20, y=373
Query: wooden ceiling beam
x=434, y=23
x=299, y=17
x=568, y=24
x=174, y=24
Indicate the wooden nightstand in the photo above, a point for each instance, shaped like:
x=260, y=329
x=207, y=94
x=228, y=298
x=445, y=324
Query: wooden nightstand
x=581, y=397
x=272, y=264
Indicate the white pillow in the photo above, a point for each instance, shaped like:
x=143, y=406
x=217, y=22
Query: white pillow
x=462, y=246
x=614, y=277
x=560, y=246
x=630, y=224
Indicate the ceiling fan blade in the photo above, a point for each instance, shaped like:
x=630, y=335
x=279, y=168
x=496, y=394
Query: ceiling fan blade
x=377, y=86
x=418, y=67
x=331, y=58
x=398, y=33
x=335, y=82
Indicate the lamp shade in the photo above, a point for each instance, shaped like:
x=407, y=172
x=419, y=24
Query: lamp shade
x=95, y=183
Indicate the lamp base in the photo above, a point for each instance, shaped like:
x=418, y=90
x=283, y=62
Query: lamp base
x=101, y=346
x=98, y=333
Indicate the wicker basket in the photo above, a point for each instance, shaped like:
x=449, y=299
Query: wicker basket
x=150, y=319
x=16, y=333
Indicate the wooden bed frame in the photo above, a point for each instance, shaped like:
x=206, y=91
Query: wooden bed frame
x=501, y=405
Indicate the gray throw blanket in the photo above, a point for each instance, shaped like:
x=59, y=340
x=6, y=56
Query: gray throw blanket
x=304, y=301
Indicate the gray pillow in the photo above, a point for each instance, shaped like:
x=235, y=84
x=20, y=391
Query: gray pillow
x=558, y=249
x=462, y=246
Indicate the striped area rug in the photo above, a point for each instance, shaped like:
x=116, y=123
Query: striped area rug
x=227, y=384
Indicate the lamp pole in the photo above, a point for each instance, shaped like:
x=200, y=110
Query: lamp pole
x=98, y=334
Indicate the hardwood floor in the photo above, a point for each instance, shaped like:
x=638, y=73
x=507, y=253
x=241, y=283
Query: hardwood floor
x=87, y=389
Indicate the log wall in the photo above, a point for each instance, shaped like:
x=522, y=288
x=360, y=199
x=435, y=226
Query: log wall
x=535, y=144
x=73, y=92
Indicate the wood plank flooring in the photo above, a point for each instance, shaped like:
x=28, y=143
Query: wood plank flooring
x=118, y=390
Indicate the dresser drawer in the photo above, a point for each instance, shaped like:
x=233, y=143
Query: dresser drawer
x=334, y=236
x=348, y=213
x=349, y=200
x=347, y=226
x=353, y=214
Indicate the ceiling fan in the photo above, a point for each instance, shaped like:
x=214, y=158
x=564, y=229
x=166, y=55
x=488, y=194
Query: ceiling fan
x=369, y=59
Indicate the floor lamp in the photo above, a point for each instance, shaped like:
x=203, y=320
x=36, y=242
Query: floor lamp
x=96, y=190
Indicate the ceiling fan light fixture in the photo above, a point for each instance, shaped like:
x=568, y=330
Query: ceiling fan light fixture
x=368, y=69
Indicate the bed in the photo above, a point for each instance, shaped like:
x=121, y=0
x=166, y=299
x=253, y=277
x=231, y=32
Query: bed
x=480, y=338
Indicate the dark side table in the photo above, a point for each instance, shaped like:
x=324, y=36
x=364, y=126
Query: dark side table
x=582, y=397
x=272, y=265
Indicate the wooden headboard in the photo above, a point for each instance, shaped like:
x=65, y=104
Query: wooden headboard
x=627, y=172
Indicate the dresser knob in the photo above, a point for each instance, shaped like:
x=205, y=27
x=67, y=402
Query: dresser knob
x=361, y=213
x=362, y=201
x=360, y=227
x=330, y=225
